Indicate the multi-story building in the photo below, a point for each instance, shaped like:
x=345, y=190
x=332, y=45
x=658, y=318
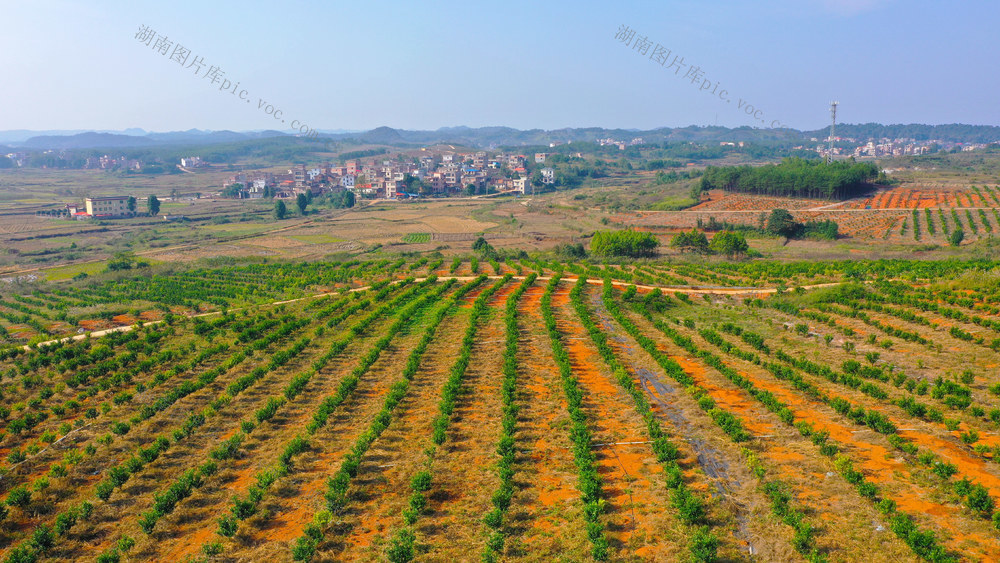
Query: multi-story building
x=116, y=206
x=548, y=176
x=521, y=184
x=479, y=160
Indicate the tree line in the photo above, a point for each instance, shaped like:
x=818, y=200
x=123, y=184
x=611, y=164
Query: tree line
x=794, y=177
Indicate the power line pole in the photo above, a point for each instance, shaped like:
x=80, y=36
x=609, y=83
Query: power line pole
x=833, y=126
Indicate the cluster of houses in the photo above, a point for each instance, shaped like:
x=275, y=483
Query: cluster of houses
x=396, y=178
x=17, y=158
x=892, y=147
x=107, y=162
x=621, y=144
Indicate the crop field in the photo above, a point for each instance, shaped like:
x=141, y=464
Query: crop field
x=519, y=410
x=911, y=214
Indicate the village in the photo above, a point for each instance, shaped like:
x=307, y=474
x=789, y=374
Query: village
x=401, y=177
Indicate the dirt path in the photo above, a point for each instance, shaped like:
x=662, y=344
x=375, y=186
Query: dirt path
x=637, y=524
x=722, y=469
x=693, y=289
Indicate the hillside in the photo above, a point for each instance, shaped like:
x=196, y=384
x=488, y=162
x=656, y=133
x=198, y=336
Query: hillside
x=524, y=410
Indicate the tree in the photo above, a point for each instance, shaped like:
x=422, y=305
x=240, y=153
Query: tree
x=480, y=244
x=485, y=249
x=956, y=237
x=794, y=177
x=781, y=223
x=627, y=243
x=232, y=190
x=694, y=241
x=341, y=200
x=131, y=204
x=571, y=251
x=280, y=210
x=153, y=205
x=729, y=244
x=301, y=201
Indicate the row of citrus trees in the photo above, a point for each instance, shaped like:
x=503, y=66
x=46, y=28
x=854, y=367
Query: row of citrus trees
x=119, y=474
x=401, y=545
x=922, y=542
x=338, y=486
x=166, y=500
x=975, y=496
x=689, y=505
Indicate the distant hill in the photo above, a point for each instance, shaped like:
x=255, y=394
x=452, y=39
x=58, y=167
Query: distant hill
x=506, y=136
x=87, y=140
x=496, y=136
x=953, y=132
x=113, y=140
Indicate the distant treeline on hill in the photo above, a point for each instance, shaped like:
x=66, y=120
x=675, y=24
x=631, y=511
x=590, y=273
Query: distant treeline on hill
x=352, y=155
x=794, y=177
x=954, y=132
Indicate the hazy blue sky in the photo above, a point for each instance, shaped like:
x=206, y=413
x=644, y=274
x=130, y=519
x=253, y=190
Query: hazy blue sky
x=423, y=65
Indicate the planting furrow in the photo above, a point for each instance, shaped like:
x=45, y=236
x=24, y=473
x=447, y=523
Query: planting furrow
x=338, y=487
x=460, y=485
x=383, y=482
x=589, y=481
x=545, y=517
x=187, y=416
x=274, y=436
x=633, y=478
x=813, y=421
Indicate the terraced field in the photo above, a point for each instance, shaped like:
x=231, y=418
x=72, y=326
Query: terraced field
x=527, y=410
x=900, y=215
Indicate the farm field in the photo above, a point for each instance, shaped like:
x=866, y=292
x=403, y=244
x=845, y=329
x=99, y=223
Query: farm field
x=434, y=409
x=903, y=215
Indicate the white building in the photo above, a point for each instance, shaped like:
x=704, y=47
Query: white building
x=116, y=206
x=548, y=176
x=521, y=184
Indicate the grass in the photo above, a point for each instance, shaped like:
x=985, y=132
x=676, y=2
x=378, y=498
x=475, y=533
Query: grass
x=674, y=203
x=416, y=238
x=67, y=272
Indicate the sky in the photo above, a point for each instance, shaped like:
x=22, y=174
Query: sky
x=548, y=65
